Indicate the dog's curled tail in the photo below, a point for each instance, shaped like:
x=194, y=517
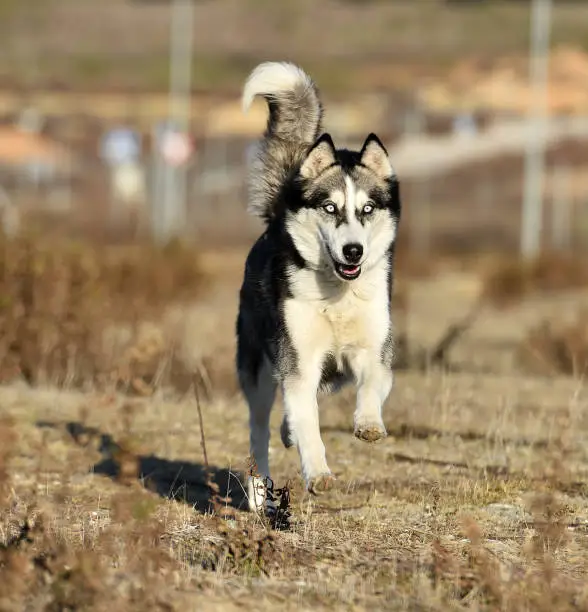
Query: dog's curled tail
x=294, y=123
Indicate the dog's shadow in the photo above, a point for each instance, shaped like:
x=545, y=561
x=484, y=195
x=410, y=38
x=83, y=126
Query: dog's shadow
x=185, y=481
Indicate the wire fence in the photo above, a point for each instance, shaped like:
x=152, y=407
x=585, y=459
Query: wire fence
x=462, y=185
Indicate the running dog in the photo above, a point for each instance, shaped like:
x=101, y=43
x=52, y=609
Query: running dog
x=314, y=308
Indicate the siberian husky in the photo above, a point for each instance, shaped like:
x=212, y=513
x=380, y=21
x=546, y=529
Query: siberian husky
x=314, y=308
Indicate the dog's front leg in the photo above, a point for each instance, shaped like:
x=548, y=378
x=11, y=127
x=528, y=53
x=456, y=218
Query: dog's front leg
x=374, y=380
x=301, y=406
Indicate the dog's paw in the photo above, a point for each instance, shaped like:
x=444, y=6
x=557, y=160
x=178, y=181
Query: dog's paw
x=370, y=432
x=259, y=500
x=321, y=483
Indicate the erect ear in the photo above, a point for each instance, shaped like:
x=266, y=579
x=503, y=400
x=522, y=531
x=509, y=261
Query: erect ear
x=375, y=157
x=319, y=158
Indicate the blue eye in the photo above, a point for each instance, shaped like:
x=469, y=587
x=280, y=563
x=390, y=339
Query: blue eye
x=368, y=208
x=329, y=207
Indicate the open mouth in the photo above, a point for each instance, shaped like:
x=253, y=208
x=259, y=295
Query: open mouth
x=347, y=272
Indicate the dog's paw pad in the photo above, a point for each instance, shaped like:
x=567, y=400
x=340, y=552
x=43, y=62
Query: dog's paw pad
x=370, y=432
x=321, y=483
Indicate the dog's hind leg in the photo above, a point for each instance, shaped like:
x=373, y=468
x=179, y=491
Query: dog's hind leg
x=259, y=389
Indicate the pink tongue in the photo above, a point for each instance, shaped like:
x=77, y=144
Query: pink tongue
x=350, y=270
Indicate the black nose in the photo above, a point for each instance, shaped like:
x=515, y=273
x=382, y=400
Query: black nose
x=352, y=252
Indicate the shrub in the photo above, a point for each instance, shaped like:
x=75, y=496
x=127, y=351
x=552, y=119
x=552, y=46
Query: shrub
x=60, y=299
x=507, y=281
x=556, y=347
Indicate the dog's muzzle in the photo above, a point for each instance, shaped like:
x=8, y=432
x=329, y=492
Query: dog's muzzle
x=352, y=252
x=347, y=271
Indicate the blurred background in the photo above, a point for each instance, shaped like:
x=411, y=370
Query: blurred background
x=122, y=119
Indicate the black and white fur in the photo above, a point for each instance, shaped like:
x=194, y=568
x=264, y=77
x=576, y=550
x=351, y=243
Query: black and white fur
x=315, y=301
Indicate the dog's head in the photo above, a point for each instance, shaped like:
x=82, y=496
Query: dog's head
x=348, y=209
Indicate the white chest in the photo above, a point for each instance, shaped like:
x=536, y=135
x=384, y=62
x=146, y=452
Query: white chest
x=353, y=318
x=356, y=322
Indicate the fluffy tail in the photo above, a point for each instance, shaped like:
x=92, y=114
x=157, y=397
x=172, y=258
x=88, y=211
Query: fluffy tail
x=294, y=123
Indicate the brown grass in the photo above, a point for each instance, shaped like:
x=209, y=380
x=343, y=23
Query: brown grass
x=61, y=302
x=430, y=532
x=508, y=280
x=475, y=501
x=557, y=347
x=380, y=43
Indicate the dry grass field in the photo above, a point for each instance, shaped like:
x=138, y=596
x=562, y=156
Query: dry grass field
x=123, y=436
x=121, y=489
x=354, y=45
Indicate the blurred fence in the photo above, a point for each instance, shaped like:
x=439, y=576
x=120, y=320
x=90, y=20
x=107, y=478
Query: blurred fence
x=461, y=180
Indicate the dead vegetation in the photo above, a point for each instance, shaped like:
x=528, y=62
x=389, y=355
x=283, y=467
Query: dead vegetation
x=427, y=538
x=96, y=54
x=552, y=347
x=73, y=314
x=509, y=280
x=557, y=347
x=476, y=501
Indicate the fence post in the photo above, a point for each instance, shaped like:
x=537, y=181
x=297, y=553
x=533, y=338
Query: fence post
x=174, y=177
x=532, y=211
